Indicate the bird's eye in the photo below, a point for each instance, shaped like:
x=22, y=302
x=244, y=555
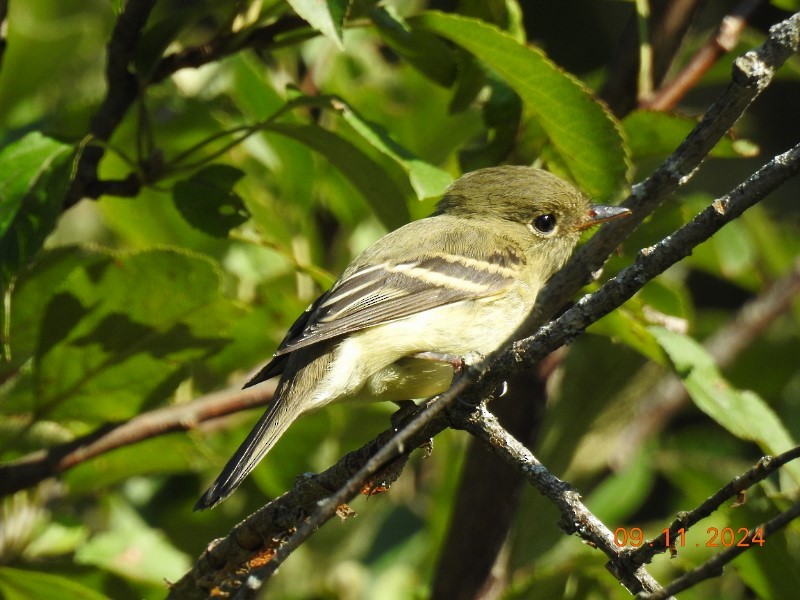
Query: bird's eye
x=545, y=223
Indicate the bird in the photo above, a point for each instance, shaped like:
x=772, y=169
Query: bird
x=459, y=281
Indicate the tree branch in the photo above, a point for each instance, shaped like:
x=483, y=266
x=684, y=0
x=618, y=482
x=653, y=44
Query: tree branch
x=713, y=566
x=575, y=517
x=723, y=41
x=268, y=534
x=225, y=45
x=122, y=91
x=35, y=468
x=763, y=469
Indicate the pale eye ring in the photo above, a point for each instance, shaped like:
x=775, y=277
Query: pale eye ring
x=545, y=223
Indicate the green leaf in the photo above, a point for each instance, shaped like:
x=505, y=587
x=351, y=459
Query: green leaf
x=427, y=180
x=377, y=187
x=35, y=175
x=427, y=53
x=583, y=132
x=159, y=455
x=623, y=326
x=326, y=16
x=658, y=134
x=33, y=290
x=741, y=412
x=132, y=549
x=790, y=5
x=121, y=334
x=208, y=202
x=20, y=584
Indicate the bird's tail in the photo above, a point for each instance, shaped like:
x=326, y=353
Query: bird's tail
x=262, y=438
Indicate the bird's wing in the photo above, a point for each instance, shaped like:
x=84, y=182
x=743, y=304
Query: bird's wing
x=388, y=291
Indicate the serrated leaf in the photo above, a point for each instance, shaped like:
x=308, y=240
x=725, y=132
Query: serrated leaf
x=35, y=175
x=741, y=412
x=21, y=584
x=377, y=187
x=326, y=16
x=658, y=134
x=120, y=334
x=581, y=129
x=208, y=202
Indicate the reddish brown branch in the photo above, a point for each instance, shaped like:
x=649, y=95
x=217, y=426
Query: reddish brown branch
x=721, y=43
x=34, y=468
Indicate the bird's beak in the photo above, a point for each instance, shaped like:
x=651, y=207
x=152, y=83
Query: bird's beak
x=599, y=214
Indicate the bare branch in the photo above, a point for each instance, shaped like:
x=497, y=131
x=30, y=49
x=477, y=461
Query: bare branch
x=273, y=531
x=713, y=566
x=763, y=469
x=123, y=89
x=34, y=468
x=723, y=41
x=575, y=517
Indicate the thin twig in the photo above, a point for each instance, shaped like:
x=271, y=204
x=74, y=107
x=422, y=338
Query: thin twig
x=763, y=469
x=713, y=566
x=723, y=41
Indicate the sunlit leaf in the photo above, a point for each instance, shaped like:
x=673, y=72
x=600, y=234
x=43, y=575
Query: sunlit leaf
x=375, y=185
x=326, y=16
x=741, y=412
x=132, y=549
x=20, y=584
x=121, y=333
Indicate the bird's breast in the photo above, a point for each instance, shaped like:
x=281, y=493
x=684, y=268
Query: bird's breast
x=377, y=364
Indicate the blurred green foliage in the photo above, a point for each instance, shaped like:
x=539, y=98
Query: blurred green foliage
x=263, y=173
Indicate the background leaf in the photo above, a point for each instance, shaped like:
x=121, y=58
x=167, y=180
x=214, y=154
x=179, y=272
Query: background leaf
x=582, y=131
x=36, y=172
x=207, y=200
x=742, y=413
x=326, y=16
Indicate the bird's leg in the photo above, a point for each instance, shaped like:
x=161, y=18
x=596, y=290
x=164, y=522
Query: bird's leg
x=457, y=362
